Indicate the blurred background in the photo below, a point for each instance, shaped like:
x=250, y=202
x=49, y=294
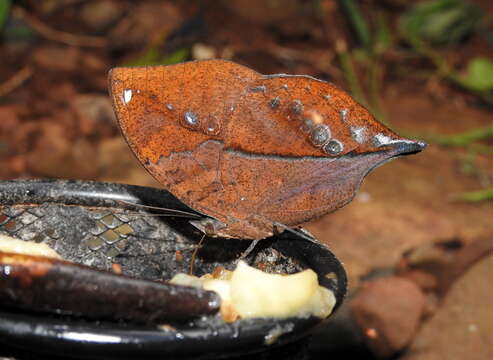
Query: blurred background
x=417, y=239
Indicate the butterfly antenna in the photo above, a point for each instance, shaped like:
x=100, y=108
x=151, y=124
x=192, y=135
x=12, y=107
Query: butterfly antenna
x=173, y=212
x=248, y=250
x=154, y=215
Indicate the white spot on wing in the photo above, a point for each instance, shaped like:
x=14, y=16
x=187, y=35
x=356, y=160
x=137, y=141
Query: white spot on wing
x=344, y=114
x=384, y=140
x=127, y=96
x=191, y=118
x=358, y=134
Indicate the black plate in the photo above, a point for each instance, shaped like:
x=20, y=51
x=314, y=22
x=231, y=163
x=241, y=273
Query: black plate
x=83, y=221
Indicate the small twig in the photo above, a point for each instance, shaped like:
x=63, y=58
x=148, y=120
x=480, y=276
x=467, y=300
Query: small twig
x=56, y=35
x=16, y=80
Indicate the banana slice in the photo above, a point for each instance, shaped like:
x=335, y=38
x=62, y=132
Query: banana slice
x=251, y=293
x=13, y=245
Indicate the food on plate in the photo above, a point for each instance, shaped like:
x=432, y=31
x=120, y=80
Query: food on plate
x=247, y=292
x=13, y=245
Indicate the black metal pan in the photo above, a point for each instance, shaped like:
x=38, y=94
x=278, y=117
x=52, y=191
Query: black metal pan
x=96, y=226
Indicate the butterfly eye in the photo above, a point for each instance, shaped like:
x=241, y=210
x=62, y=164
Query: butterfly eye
x=320, y=135
x=334, y=147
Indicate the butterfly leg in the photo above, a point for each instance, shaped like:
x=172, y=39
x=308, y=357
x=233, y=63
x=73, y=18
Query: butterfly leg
x=248, y=250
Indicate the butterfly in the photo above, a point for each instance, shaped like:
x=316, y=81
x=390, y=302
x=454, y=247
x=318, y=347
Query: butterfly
x=255, y=153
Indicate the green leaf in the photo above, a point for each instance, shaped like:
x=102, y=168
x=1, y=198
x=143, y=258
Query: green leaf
x=477, y=196
x=383, y=35
x=176, y=57
x=440, y=21
x=479, y=75
x=357, y=21
x=153, y=57
x=4, y=12
x=150, y=57
x=360, y=56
